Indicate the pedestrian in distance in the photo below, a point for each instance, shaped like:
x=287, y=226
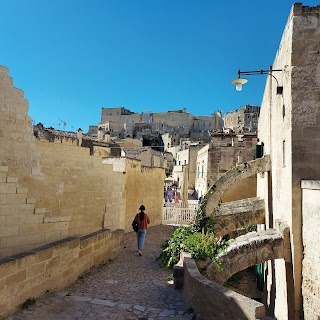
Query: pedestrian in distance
x=143, y=220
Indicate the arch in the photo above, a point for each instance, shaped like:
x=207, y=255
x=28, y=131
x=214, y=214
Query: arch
x=249, y=250
x=237, y=173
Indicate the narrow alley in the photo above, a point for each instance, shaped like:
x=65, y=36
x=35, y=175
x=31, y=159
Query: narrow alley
x=129, y=287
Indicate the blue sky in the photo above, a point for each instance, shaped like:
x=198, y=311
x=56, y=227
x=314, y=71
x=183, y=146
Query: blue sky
x=73, y=57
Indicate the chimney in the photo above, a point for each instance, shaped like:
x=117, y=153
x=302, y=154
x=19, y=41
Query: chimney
x=79, y=136
x=100, y=134
x=107, y=137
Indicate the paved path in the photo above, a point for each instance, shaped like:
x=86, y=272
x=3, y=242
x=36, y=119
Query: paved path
x=129, y=287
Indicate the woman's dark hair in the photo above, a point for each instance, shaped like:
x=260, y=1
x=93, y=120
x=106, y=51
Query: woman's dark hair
x=141, y=214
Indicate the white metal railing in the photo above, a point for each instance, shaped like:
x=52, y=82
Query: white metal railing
x=178, y=216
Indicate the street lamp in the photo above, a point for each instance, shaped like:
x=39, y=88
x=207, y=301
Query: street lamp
x=238, y=82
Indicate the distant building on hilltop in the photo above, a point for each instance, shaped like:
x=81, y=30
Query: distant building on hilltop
x=242, y=120
x=121, y=122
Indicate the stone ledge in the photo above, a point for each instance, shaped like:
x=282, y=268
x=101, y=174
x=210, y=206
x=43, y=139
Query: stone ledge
x=310, y=184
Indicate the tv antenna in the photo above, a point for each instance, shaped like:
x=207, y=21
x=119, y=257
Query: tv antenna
x=64, y=124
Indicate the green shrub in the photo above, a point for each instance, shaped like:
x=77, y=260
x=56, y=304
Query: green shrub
x=198, y=243
x=198, y=239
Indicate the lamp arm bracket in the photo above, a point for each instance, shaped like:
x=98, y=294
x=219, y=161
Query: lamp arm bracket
x=254, y=72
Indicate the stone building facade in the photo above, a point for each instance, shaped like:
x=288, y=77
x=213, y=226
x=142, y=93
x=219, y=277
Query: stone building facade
x=187, y=157
x=289, y=131
x=122, y=122
x=244, y=119
x=220, y=155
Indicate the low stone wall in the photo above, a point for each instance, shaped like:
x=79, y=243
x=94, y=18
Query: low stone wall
x=53, y=266
x=211, y=301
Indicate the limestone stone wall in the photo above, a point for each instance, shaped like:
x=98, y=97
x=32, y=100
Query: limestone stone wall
x=174, y=119
x=144, y=185
x=222, y=159
x=49, y=190
x=311, y=245
x=18, y=150
x=289, y=128
x=53, y=266
x=246, y=188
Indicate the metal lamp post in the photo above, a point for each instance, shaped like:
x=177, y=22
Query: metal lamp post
x=238, y=82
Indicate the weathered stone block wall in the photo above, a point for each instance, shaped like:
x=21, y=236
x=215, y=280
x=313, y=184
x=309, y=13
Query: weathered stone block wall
x=289, y=128
x=222, y=159
x=77, y=187
x=49, y=191
x=238, y=173
x=53, y=266
x=311, y=245
x=235, y=215
x=144, y=185
x=18, y=150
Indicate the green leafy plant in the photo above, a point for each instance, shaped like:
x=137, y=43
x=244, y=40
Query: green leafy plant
x=198, y=239
x=200, y=243
x=29, y=302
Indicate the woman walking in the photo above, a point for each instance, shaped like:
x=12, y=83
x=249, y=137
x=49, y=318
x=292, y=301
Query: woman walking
x=143, y=220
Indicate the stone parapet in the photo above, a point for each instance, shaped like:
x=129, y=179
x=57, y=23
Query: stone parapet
x=235, y=215
x=246, y=251
x=53, y=266
x=211, y=301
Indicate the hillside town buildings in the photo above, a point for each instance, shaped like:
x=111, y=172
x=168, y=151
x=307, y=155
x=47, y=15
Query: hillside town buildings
x=122, y=122
x=244, y=119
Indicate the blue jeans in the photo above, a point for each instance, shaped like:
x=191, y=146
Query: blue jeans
x=140, y=237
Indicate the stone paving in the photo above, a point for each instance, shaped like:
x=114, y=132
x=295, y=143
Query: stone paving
x=129, y=287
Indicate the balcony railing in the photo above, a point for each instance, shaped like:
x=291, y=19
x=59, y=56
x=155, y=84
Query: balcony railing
x=178, y=216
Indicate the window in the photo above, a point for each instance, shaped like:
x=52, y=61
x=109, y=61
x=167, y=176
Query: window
x=185, y=161
x=202, y=172
x=283, y=153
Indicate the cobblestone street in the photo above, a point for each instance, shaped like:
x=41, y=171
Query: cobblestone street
x=129, y=287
